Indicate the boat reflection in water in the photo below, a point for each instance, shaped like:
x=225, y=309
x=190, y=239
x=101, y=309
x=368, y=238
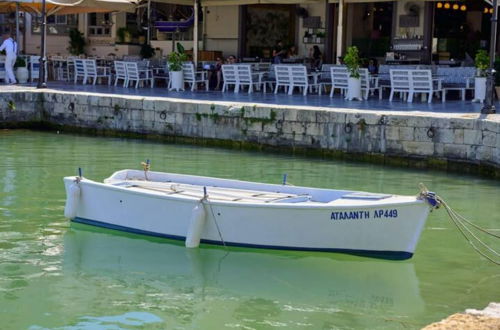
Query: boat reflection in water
x=338, y=282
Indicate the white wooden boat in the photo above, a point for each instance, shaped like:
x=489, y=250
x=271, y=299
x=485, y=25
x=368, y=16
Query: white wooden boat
x=239, y=213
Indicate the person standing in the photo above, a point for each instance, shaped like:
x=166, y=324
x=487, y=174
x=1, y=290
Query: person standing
x=316, y=58
x=279, y=52
x=10, y=47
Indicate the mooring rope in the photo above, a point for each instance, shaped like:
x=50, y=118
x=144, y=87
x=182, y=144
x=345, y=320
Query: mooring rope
x=461, y=223
x=205, y=200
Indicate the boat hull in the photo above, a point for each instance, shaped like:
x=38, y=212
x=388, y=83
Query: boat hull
x=381, y=230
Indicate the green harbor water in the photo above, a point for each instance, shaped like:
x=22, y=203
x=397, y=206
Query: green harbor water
x=54, y=274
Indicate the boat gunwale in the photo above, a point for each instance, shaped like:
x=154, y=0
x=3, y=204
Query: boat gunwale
x=280, y=205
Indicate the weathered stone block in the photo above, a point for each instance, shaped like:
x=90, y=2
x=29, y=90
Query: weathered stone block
x=459, y=136
x=489, y=138
x=420, y=134
x=439, y=149
x=418, y=148
x=81, y=99
x=472, y=137
x=306, y=116
x=148, y=104
x=490, y=125
x=459, y=151
x=485, y=153
x=392, y=133
x=104, y=101
x=397, y=120
x=406, y=133
x=394, y=147
x=314, y=129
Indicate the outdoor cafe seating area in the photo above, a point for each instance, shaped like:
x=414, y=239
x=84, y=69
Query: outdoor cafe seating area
x=407, y=83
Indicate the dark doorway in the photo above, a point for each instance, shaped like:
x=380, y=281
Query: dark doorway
x=264, y=26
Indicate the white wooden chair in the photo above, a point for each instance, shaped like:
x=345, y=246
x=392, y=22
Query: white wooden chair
x=193, y=77
x=34, y=65
x=457, y=78
x=301, y=79
x=245, y=77
x=368, y=84
x=95, y=72
x=2, y=69
x=161, y=74
x=400, y=83
x=325, y=78
x=283, y=77
x=269, y=78
x=230, y=76
x=121, y=72
x=134, y=73
x=422, y=83
x=340, y=78
x=80, y=72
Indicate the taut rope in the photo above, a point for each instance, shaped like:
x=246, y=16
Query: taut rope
x=463, y=224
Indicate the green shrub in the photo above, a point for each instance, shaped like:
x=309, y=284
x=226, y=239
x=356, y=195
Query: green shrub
x=482, y=61
x=76, y=42
x=352, y=61
x=20, y=62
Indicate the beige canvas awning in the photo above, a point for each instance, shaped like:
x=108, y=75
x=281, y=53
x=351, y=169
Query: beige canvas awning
x=176, y=2
x=369, y=1
x=207, y=3
x=63, y=7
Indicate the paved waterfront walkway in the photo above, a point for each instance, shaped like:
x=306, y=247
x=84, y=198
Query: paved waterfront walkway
x=311, y=100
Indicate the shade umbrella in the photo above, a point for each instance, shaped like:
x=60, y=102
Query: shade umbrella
x=65, y=7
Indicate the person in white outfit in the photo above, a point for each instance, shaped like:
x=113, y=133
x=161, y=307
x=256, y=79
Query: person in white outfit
x=10, y=47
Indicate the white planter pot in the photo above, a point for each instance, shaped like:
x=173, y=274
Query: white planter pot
x=22, y=75
x=353, y=89
x=176, y=80
x=479, y=89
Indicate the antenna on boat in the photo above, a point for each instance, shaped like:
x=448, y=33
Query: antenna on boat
x=284, y=179
x=80, y=172
x=205, y=195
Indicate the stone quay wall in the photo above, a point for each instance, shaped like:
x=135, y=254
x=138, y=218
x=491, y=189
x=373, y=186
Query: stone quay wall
x=456, y=142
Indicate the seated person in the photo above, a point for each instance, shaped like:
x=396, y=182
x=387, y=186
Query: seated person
x=372, y=66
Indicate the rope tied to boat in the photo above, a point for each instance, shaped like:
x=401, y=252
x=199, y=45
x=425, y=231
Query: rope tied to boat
x=463, y=225
x=204, y=200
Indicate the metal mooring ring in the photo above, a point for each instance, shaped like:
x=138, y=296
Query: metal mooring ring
x=431, y=132
x=348, y=128
x=163, y=115
x=383, y=120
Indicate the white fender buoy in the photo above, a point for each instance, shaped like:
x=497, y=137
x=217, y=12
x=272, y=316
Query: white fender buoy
x=196, y=223
x=72, y=200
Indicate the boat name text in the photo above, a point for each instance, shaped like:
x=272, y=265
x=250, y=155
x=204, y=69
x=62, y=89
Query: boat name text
x=355, y=215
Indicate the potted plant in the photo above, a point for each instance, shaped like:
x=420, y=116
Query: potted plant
x=142, y=37
x=482, y=62
x=147, y=51
x=22, y=73
x=175, y=60
x=124, y=36
x=76, y=42
x=352, y=61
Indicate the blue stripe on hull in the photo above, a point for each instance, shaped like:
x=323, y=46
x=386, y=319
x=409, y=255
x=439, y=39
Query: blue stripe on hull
x=391, y=255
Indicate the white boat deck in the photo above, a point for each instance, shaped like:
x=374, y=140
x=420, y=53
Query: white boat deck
x=215, y=193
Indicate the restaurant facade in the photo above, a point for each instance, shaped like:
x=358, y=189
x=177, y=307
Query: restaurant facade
x=403, y=31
